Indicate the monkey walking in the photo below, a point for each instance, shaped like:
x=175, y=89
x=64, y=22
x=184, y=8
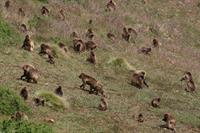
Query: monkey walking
x=95, y=86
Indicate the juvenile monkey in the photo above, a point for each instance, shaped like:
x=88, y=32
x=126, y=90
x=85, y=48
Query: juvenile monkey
x=7, y=4
x=111, y=6
x=23, y=28
x=39, y=101
x=92, y=59
x=126, y=35
x=24, y=93
x=28, y=44
x=103, y=106
x=145, y=50
x=155, y=102
x=138, y=79
x=62, y=46
x=140, y=118
x=21, y=12
x=62, y=14
x=90, y=34
x=155, y=43
x=59, y=91
x=30, y=73
x=44, y=11
x=170, y=122
x=111, y=36
x=189, y=82
x=95, y=86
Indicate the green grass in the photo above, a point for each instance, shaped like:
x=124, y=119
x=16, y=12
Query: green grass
x=10, y=102
x=9, y=126
x=8, y=34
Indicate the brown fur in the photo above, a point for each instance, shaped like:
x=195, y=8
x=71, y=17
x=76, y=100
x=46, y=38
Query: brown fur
x=28, y=44
x=103, y=106
x=47, y=50
x=30, y=74
x=24, y=93
x=145, y=50
x=90, y=21
x=111, y=36
x=155, y=102
x=90, y=45
x=23, y=28
x=59, y=91
x=62, y=46
x=189, y=82
x=45, y=11
x=92, y=59
x=7, y=4
x=62, y=14
x=39, y=101
x=155, y=43
x=21, y=12
x=111, y=5
x=126, y=35
x=95, y=86
x=140, y=118
x=79, y=45
x=138, y=80
x=170, y=122
x=90, y=34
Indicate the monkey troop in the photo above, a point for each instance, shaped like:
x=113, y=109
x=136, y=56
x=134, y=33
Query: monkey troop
x=30, y=73
x=138, y=79
x=103, y=106
x=155, y=102
x=111, y=6
x=24, y=93
x=189, y=82
x=170, y=122
x=95, y=86
x=28, y=44
x=92, y=58
x=59, y=91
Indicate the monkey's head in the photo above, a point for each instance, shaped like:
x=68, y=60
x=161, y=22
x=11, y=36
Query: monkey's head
x=81, y=76
x=27, y=37
x=166, y=117
x=90, y=21
x=24, y=89
x=26, y=68
x=61, y=45
x=59, y=88
x=158, y=99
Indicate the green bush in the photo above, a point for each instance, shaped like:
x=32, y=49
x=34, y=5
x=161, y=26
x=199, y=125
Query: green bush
x=8, y=34
x=10, y=126
x=53, y=100
x=10, y=102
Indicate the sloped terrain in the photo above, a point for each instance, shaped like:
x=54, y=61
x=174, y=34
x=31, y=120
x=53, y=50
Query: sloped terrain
x=175, y=23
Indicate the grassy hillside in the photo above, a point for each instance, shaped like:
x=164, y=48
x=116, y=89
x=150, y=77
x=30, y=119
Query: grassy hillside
x=175, y=23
